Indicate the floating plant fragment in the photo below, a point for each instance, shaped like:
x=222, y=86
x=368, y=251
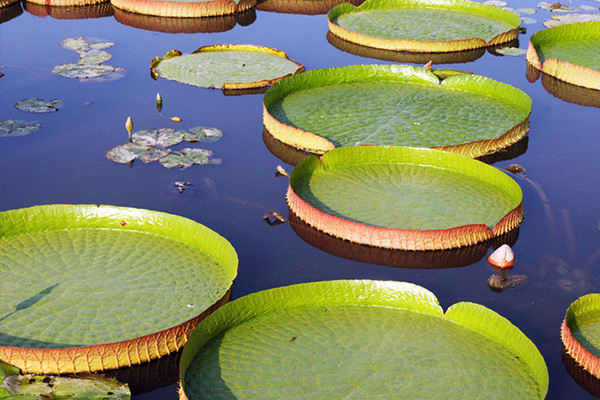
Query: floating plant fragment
x=503, y=280
x=321, y=109
x=82, y=71
x=163, y=137
x=203, y=134
x=83, y=387
x=128, y=152
x=385, y=335
x=434, y=200
x=13, y=127
x=227, y=67
x=424, y=25
x=188, y=157
x=35, y=105
x=274, y=218
x=564, y=19
x=181, y=186
x=510, y=51
x=129, y=257
x=569, y=52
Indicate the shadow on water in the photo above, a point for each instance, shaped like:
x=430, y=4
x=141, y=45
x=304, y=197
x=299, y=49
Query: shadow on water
x=25, y=304
x=99, y=10
x=304, y=7
x=10, y=12
x=583, y=378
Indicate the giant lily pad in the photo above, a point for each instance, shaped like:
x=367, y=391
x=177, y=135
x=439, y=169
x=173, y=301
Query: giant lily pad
x=228, y=67
x=185, y=8
x=13, y=128
x=424, y=25
x=395, y=105
x=580, y=332
x=404, y=198
x=568, y=52
x=35, y=105
x=87, y=288
x=373, y=339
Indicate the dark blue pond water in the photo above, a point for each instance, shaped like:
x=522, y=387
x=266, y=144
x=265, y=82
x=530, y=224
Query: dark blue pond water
x=559, y=242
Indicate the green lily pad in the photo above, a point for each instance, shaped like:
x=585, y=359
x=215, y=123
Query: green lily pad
x=203, y=134
x=94, y=57
x=188, y=157
x=358, y=339
x=527, y=11
x=569, y=52
x=563, y=19
x=128, y=152
x=433, y=200
x=13, y=127
x=228, y=67
x=82, y=44
x=580, y=332
x=511, y=51
x=424, y=25
x=82, y=71
x=395, y=105
x=35, y=105
x=89, y=387
x=103, y=286
x=163, y=137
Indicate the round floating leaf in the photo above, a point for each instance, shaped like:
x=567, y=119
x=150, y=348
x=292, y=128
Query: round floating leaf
x=187, y=158
x=203, y=134
x=404, y=198
x=87, y=387
x=83, y=43
x=18, y=128
x=87, y=288
x=94, y=57
x=185, y=9
x=580, y=332
x=569, y=52
x=82, y=71
x=395, y=105
x=128, y=152
x=164, y=137
x=35, y=105
x=557, y=20
x=373, y=339
x=228, y=67
x=424, y=25
x=527, y=11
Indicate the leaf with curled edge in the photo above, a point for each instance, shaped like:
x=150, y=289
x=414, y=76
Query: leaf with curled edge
x=36, y=105
x=12, y=128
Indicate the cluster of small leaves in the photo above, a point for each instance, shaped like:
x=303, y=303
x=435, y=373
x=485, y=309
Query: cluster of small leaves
x=91, y=56
x=151, y=145
x=35, y=105
x=13, y=128
x=568, y=14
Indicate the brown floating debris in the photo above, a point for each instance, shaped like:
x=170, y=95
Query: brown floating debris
x=502, y=257
x=181, y=186
x=501, y=281
x=274, y=218
x=515, y=168
x=280, y=171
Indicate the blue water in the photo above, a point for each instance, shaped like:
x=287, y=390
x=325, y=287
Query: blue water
x=559, y=242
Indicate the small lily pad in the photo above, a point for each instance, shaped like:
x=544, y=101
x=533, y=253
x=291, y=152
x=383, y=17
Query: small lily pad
x=128, y=152
x=82, y=71
x=557, y=20
x=89, y=387
x=203, y=134
x=94, y=57
x=13, y=127
x=511, y=51
x=528, y=21
x=83, y=43
x=497, y=3
x=35, y=105
x=187, y=158
x=163, y=137
x=528, y=11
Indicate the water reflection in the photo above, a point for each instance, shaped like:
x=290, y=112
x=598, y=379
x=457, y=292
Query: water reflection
x=185, y=25
x=563, y=90
x=583, y=378
x=437, y=259
x=72, y=12
x=306, y=7
x=10, y=12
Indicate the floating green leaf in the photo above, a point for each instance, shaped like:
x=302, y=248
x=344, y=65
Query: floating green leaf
x=226, y=66
x=510, y=51
x=163, y=137
x=83, y=43
x=424, y=25
x=563, y=19
x=527, y=11
x=188, y=157
x=203, y=134
x=88, y=387
x=150, y=274
x=12, y=127
x=35, y=105
x=82, y=71
x=94, y=57
x=373, y=339
x=128, y=152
